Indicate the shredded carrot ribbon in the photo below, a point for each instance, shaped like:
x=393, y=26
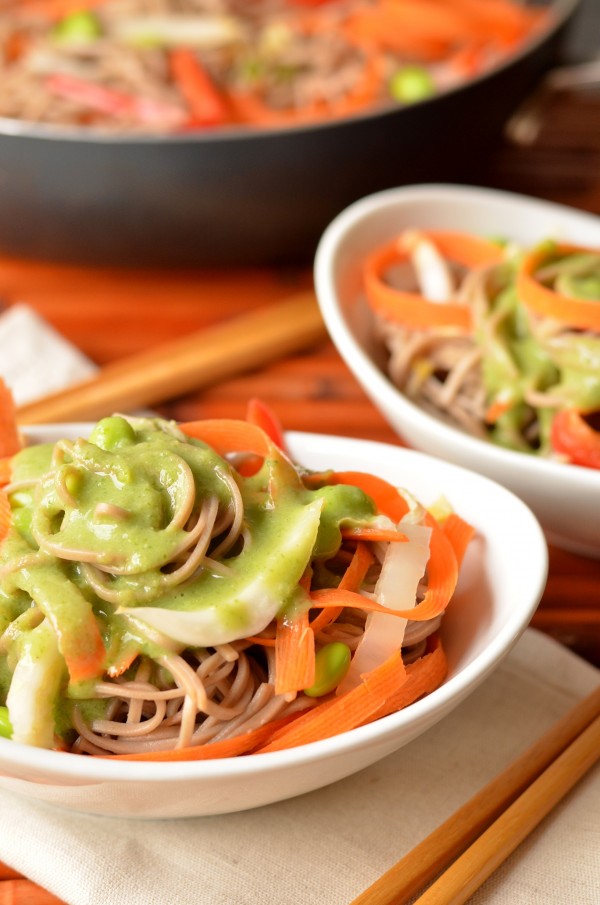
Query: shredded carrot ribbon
x=411, y=308
x=226, y=435
x=577, y=312
x=294, y=654
x=460, y=534
x=351, y=580
x=387, y=498
x=384, y=690
x=345, y=712
x=10, y=439
x=5, y=515
x=229, y=747
x=5, y=470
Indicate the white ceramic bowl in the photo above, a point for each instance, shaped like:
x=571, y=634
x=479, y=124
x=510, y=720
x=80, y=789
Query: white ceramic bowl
x=565, y=498
x=501, y=581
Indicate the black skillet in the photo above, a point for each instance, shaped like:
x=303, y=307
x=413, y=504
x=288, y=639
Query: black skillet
x=240, y=197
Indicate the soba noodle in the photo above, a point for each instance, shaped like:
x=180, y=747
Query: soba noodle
x=118, y=65
x=124, y=543
x=507, y=376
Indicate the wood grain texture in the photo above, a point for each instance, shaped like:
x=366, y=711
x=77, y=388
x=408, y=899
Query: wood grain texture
x=110, y=314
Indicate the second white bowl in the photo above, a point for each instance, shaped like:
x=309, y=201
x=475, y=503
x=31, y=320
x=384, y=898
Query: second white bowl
x=565, y=498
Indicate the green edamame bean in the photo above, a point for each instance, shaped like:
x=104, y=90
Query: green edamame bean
x=6, y=730
x=112, y=433
x=21, y=517
x=411, y=84
x=332, y=662
x=73, y=481
x=78, y=28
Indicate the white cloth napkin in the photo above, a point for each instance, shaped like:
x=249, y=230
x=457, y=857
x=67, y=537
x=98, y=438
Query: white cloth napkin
x=34, y=358
x=325, y=847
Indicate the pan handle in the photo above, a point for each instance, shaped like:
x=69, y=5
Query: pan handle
x=524, y=126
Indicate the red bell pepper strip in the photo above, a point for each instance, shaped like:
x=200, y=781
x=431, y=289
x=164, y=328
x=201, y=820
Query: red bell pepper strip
x=115, y=103
x=258, y=413
x=571, y=435
x=205, y=102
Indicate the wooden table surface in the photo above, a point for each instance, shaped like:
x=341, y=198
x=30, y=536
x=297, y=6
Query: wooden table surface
x=111, y=314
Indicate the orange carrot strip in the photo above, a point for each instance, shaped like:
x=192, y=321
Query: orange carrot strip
x=228, y=435
x=205, y=102
x=442, y=575
x=10, y=441
x=422, y=677
x=354, y=575
x=86, y=661
x=411, y=308
x=460, y=534
x=324, y=598
x=581, y=313
x=325, y=618
x=229, y=747
x=388, y=28
x=351, y=580
x=72, y=618
x=496, y=410
x=5, y=515
x=435, y=26
x=340, y=714
x=5, y=470
x=58, y=9
x=264, y=642
x=503, y=21
x=294, y=654
x=387, y=498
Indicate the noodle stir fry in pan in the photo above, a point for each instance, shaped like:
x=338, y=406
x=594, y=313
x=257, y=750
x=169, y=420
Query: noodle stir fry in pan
x=176, y=65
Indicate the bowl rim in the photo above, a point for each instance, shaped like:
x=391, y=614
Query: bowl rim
x=563, y=11
x=76, y=767
x=380, y=386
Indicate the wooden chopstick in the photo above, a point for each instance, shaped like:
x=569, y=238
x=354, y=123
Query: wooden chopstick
x=186, y=364
x=7, y=873
x=575, y=738
x=24, y=892
x=458, y=883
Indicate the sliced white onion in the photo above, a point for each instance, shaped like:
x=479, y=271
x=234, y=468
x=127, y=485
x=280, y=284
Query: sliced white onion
x=401, y=571
x=436, y=281
x=34, y=687
x=206, y=32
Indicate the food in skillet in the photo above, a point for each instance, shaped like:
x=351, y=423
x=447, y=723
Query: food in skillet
x=500, y=340
x=172, y=65
x=187, y=591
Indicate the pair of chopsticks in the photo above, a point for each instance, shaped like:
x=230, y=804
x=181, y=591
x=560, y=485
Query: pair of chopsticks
x=480, y=835
x=182, y=365
x=458, y=856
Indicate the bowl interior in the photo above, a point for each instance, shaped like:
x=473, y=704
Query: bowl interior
x=562, y=496
x=501, y=582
